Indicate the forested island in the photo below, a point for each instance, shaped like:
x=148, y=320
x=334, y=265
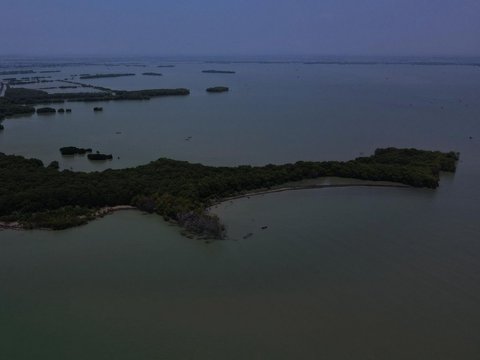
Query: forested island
x=99, y=157
x=20, y=101
x=46, y=110
x=218, y=71
x=101, y=76
x=73, y=150
x=27, y=80
x=152, y=74
x=9, y=108
x=16, y=72
x=217, y=89
x=22, y=96
x=35, y=196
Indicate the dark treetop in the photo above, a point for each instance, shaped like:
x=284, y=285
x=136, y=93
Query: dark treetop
x=218, y=72
x=217, y=89
x=100, y=76
x=15, y=98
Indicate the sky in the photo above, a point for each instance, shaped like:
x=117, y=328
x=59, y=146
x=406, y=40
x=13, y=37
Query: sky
x=240, y=27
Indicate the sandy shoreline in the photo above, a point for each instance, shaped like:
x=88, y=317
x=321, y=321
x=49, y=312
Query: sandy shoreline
x=110, y=209
x=307, y=187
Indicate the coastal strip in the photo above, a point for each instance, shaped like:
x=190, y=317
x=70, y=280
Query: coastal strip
x=308, y=187
x=107, y=210
x=111, y=209
x=40, y=196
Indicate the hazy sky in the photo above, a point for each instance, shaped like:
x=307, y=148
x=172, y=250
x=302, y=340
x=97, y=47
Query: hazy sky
x=240, y=27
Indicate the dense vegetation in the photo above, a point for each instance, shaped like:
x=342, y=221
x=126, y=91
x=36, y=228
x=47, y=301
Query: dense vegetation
x=101, y=76
x=217, y=89
x=27, y=80
x=46, y=110
x=218, y=72
x=38, y=196
x=73, y=150
x=29, y=96
x=79, y=84
x=9, y=108
x=18, y=101
x=16, y=72
x=99, y=157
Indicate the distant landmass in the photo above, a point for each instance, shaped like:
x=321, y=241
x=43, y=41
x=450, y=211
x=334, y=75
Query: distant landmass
x=218, y=71
x=100, y=76
x=217, y=89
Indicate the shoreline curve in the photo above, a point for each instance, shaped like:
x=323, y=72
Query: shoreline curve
x=100, y=213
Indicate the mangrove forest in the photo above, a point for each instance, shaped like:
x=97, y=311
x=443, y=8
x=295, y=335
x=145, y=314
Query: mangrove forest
x=35, y=196
x=217, y=89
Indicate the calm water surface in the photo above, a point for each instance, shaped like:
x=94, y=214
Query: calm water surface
x=345, y=273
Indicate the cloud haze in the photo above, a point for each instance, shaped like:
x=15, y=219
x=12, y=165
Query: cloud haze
x=240, y=27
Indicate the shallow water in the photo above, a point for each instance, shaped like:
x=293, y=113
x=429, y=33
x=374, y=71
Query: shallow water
x=342, y=273
x=273, y=113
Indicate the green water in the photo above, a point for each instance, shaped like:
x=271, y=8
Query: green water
x=341, y=273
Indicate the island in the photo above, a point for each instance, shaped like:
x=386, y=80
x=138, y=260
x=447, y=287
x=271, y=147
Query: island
x=217, y=89
x=98, y=109
x=9, y=109
x=152, y=74
x=16, y=72
x=46, y=110
x=218, y=71
x=35, y=196
x=101, y=76
x=22, y=96
x=99, y=157
x=73, y=150
x=165, y=66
